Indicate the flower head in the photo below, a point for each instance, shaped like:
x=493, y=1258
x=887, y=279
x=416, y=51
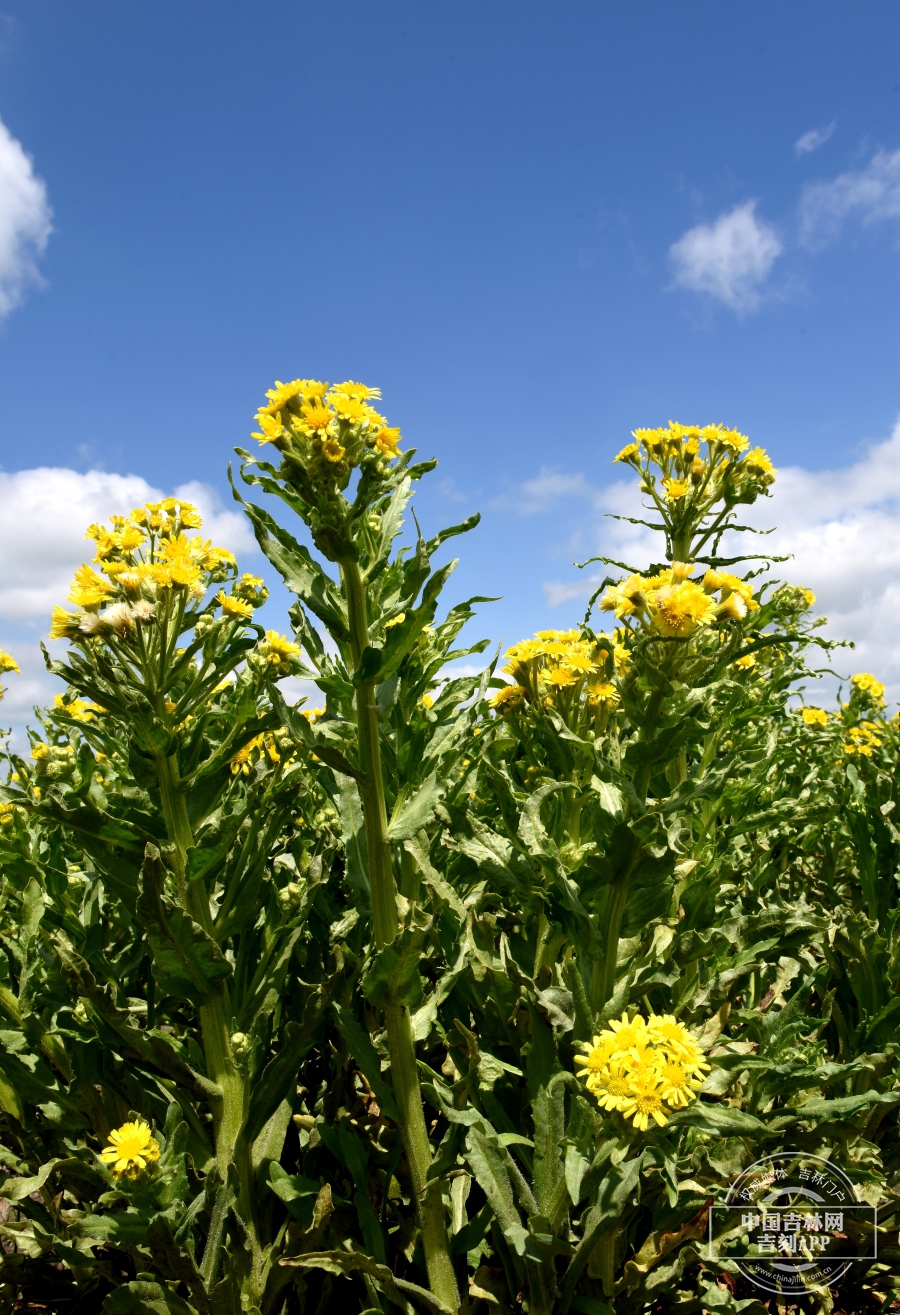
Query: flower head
x=131, y=1149
x=8, y=662
x=679, y=609
x=814, y=716
x=508, y=700
x=315, y=418
x=234, y=607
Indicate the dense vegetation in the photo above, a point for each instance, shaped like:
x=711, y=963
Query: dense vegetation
x=454, y=994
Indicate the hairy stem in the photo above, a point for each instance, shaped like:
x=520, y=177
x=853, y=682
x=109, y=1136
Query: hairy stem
x=230, y=1110
x=404, y=1073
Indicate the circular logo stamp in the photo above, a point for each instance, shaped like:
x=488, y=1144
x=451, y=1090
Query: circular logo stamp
x=792, y=1222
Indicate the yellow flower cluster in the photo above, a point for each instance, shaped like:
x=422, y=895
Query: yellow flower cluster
x=132, y=1148
x=644, y=1068
x=697, y=461
x=77, y=709
x=814, y=716
x=864, y=739
x=675, y=605
x=252, y=751
x=144, y=559
x=333, y=425
x=565, y=668
x=870, y=688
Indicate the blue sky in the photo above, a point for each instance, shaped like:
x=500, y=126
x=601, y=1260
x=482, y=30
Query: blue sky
x=533, y=226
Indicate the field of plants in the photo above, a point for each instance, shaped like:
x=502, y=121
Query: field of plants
x=451, y=994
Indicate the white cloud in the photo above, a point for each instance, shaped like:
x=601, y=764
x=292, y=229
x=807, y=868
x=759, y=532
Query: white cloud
x=45, y=514
x=25, y=221
x=729, y=259
x=873, y=193
x=545, y=491
x=812, y=140
x=842, y=528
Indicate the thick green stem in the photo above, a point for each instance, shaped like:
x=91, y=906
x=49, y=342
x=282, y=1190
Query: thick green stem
x=404, y=1073
x=603, y=982
x=230, y=1110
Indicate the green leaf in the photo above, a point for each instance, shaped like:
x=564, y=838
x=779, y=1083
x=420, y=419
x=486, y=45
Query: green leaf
x=359, y=1044
x=345, y=1262
x=145, y=1298
x=187, y=962
x=393, y=977
x=17, y=1189
x=376, y=664
x=300, y=571
x=412, y=812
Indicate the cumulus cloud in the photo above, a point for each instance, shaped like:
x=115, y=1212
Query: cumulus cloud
x=25, y=221
x=842, y=528
x=45, y=513
x=548, y=488
x=729, y=259
x=872, y=193
x=812, y=140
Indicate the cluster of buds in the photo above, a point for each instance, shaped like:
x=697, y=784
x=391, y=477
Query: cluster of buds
x=53, y=762
x=275, y=656
x=330, y=430
x=145, y=560
x=673, y=604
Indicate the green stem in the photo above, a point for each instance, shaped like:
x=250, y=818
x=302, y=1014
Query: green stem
x=229, y=1112
x=604, y=981
x=404, y=1072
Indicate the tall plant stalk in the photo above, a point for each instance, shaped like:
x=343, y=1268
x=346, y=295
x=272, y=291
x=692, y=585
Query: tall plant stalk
x=429, y=1197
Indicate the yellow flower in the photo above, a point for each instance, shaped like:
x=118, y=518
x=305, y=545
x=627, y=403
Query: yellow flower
x=601, y=692
x=88, y=588
x=612, y=1086
x=387, y=441
x=360, y=391
x=63, y=624
x=735, y=441
x=8, y=662
x=809, y=596
x=680, y=608
x=270, y=426
x=863, y=683
x=233, y=607
x=313, y=714
x=577, y=661
x=625, y=597
x=281, y=394
x=332, y=450
x=559, y=677
x=352, y=409
x=240, y=761
x=509, y=699
x=758, y=464
x=677, y=1084
x=644, y=1100
x=814, y=716
x=132, y=1148
x=746, y=662
x=315, y=418
x=629, y=453
x=863, y=739
x=79, y=709
x=676, y=488
x=281, y=644
x=598, y=1054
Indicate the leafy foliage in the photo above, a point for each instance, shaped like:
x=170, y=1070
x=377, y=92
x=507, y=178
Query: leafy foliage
x=342, y=963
